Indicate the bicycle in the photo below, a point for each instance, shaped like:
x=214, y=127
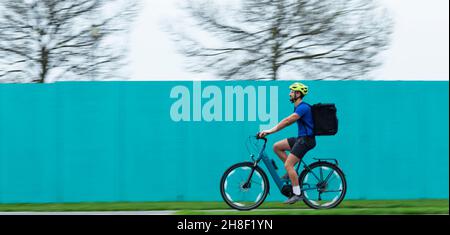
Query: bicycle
x=245, y=186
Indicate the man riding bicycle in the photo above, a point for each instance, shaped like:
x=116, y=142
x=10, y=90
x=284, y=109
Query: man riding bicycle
x=298, y=146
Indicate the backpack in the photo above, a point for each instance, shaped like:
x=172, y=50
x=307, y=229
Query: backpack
x=324, y=118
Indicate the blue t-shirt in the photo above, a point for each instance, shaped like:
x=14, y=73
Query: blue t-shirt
x=305, y=127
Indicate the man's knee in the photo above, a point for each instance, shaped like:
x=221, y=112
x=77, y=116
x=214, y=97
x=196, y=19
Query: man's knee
x=288, y=166
x=277, y=147
x=290, y=162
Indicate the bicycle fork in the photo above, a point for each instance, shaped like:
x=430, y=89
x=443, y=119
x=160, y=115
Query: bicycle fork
x=247, y=183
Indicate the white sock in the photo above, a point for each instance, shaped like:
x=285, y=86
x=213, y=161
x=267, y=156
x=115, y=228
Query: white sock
x=296, y=190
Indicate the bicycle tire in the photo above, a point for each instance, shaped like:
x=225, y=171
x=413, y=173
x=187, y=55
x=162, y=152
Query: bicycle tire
x=338, y=171
x=224, y=178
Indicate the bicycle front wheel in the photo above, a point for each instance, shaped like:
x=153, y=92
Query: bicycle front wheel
x=323, y=185
x=239, y=192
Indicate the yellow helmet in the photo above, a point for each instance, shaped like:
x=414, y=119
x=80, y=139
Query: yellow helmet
x=299, y=87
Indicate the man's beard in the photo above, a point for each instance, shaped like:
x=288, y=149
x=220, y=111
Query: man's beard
x=293, y=99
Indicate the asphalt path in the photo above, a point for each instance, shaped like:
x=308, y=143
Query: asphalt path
x=162, y=212
x=91, y=213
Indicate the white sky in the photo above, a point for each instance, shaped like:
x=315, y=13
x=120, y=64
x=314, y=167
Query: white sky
x=419, y=49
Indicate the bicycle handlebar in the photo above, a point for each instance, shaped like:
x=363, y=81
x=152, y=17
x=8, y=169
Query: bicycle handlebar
x=261, y=138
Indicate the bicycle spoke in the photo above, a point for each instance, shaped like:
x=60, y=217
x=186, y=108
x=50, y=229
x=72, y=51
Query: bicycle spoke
x=321, y=174
x=306, y=189
x=332, y=191
x=244, y=174
x=244, y=199
x=331, y=180
x=241, y=199
x=255, y=182
x=239, y=177
x=234, y=185
x=328, y=176
x=315, y=176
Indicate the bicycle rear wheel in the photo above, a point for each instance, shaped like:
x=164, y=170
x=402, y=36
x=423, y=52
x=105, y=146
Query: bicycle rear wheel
x=237, y=194
x=323, y=185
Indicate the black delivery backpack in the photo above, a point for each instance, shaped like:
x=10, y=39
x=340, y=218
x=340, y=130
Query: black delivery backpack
x=325, y=119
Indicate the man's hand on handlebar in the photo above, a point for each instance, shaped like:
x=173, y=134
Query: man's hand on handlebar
x=263, y=134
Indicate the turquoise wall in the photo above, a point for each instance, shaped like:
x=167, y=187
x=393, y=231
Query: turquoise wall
x=116, y=141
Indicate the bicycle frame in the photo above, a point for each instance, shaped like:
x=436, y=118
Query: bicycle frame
x=272, y=171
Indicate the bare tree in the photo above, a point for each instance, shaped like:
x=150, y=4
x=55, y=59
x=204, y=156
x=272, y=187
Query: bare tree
x=259, y=39
x=47, y=40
